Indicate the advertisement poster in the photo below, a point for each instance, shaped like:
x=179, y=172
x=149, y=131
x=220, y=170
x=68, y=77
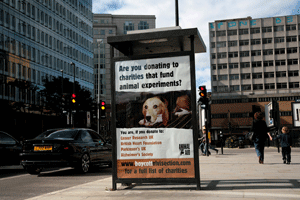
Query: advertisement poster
x=296, y=113
x=154, y=132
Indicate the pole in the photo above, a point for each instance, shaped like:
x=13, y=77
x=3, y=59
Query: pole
x=72, y=114
x=176, y=11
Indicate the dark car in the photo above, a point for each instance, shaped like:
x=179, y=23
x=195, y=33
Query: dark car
x=10, y=148
x=79, y=148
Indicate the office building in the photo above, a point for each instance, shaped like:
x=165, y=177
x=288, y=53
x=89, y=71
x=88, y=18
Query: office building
x=252, y=62
x=40, y=39
x=105, y=25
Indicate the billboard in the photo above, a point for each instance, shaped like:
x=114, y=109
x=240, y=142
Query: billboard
x=154, y=134
x=296, y=114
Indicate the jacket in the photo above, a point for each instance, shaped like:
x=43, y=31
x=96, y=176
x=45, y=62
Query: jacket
x=285, y=140
x=260, y=129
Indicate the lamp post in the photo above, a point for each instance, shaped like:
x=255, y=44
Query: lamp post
x=73, y=120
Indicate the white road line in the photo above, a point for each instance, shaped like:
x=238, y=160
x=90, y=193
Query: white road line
x=58, y=191
x=11, y=177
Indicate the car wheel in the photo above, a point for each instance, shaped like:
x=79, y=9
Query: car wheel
x=33, y=170
x=84, y=164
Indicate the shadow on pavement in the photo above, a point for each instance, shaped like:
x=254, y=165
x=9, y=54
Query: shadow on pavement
x=250, y=184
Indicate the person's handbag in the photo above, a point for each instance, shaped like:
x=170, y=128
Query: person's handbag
x=250, y=136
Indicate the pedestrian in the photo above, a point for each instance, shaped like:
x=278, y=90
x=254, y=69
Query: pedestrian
x=286, y=144
x=260, y=129
x=209, y=141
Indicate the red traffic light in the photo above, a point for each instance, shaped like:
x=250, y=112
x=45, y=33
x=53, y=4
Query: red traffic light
x=73, y=95
x=103, y=103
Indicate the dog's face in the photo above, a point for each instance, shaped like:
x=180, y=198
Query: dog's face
x=153, y=108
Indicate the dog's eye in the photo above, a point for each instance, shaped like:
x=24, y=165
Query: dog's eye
x=155, y=106
x=146, y=107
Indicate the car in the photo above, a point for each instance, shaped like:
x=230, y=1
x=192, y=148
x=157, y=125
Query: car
x=78, y=147
x=10, y=148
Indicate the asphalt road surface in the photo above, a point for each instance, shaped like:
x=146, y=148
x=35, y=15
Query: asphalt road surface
x=15, y=183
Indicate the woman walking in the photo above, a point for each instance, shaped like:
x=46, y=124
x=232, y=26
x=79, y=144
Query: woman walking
x=260, y=129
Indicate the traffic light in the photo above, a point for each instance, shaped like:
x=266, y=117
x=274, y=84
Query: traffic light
x=102, y=109
x=73, y=98
x=203, y=95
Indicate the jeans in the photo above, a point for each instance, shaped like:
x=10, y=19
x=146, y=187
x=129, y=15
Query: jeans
x=209, y=147
x=201, y=146
x=286, y=154
x=259, y=148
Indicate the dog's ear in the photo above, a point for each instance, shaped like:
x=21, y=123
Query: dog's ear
x=165, y=113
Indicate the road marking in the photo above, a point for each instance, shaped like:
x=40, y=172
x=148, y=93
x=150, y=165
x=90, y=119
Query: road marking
x=11, y=177
x=245, y=194
x=63, y=190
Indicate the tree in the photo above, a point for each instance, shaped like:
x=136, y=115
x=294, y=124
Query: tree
x=56, y=96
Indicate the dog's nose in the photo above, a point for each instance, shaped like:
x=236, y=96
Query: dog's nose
x=148, y=118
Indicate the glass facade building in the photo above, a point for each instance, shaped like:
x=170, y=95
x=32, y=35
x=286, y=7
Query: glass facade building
x=40, y=39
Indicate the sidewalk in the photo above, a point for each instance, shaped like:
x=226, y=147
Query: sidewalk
x=235, y=174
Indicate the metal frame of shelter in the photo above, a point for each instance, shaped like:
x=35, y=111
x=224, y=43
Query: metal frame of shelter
x=157, y=43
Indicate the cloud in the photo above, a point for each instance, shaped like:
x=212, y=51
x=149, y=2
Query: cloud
x=195, y=13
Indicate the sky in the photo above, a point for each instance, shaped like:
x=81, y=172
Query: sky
x=197, y=14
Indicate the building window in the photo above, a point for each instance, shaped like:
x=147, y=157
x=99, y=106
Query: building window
x=255, y=41
x=280, y=51
x=257, y=75
x=213, y=56
x=232, y=43
x=110, y=32
x=223, y=89
x=279, y=62
x=254, y=30
x=214, y=67
x=281, y=74
x=128, y=26
x=256, y=53
x=246, y=87
x=245, y=76
x=231, y=32
x=244, y=53
x=221, y=44
x=278, y=39
x=212, y=34
x=258, y=87
x=278, y=28
x=290, y=27
x=143, y=25
x=293, y=84
x=268, y=63
x=291, y=39
x=221, y=33
x=234, y=88
x=244, y=42
x=102, y=32
x=222, y=66
x=268, y=52
x=245, y=64
x=269, y=74
x=292, y=50
x=243, y=31
x=267, y=40
x=293, y=73
x=233, y=54
x=222, y=55
x=256, y=64
x=233, y=65
x=214, y=77
x=234, y=77
x=292, y=61
x=281, y=85
x=269, y=86
x=223, y=77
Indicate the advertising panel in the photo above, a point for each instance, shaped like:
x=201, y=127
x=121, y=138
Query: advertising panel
x=154, y=135
x=296, y=113
x=269, y=119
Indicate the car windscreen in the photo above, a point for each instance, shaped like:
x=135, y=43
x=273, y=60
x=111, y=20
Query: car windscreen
x=63, y=134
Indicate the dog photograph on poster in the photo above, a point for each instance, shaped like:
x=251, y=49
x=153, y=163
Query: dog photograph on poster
x=154, y=109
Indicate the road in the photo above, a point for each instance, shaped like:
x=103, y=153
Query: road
x=15, y=183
